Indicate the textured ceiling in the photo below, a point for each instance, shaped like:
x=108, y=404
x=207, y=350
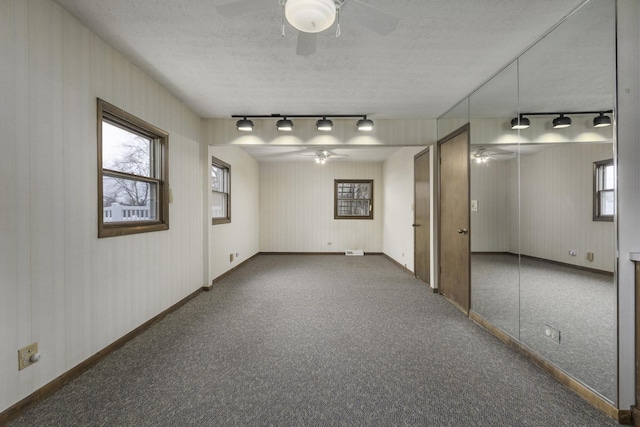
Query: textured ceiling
x=440, y=51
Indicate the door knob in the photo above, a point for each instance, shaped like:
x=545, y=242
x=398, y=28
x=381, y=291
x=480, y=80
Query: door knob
x=415, y=225
x=463, y=231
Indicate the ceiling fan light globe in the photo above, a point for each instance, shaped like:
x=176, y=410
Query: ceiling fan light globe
x=310, y=16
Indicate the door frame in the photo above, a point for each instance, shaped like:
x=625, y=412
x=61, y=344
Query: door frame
x=427, y=280
x=464, y=128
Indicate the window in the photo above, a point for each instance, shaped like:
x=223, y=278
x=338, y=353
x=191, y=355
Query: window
x=220, y=192
x=353, y=199
x=133, y=192
x=603, y=190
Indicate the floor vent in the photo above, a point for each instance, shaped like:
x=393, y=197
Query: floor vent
x=354, y=252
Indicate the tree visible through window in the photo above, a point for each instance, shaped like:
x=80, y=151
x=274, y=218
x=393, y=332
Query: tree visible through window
x=603, y=190
x=353, y=199
x=220, y=192
x=132, y=177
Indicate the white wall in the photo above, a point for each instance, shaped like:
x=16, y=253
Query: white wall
x=398, y=193
x=60, y=285
x=296, y=208
x=242, y=234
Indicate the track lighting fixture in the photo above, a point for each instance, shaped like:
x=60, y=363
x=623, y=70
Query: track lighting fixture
x=520, y=122
x=324, y=124
x=364, y=124
x=244, y=125
x=601, y=121
x=285, y=124
x=561, y=122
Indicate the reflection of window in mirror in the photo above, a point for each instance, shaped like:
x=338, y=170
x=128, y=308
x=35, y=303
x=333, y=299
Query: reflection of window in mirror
x=603, y=190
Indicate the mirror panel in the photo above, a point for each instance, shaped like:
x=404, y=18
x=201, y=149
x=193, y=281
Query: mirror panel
x=567, y=286
x=454, y=119
x=494, y=202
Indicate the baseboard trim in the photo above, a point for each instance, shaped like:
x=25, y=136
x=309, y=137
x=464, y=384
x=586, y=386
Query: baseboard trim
x=594, y=399
x=404, y=268
x=228, y=272
x=315, y=253
x=48, y=389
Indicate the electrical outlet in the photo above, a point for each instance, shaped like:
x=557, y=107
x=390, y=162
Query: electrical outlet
x=237, y=254
x=552, y=333
x=230, y=257
x=28, y=355
x=573, y=253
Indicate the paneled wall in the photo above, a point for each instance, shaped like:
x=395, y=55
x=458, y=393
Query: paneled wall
x=60, y=285
x=296, y=208
x=242, y=235
x=394, y=132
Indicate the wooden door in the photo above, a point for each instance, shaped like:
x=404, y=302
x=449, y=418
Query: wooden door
x=454, y=271
x=422, y=216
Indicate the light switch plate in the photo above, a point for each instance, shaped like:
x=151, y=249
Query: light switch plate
x=474, y=206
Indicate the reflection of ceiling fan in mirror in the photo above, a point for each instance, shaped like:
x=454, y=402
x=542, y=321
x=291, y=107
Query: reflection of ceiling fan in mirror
x=483, y=155
x=311, y=17
x=321, y=155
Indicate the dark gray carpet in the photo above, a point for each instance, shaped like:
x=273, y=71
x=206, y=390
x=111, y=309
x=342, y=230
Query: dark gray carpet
x=580, y=304
x=316, y=341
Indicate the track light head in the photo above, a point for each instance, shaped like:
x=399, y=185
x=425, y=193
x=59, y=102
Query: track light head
x=284, y=124
x=324, y=124
x=244, y=125
x=520, y=123
x=364, y=124
x=601, y=121
x=561, y=121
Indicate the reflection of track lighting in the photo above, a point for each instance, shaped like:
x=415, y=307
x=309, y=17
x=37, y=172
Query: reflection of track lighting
x=284, y=124
x=562, y=121
x=520, y=122
x=244, y=125
x=601, y=121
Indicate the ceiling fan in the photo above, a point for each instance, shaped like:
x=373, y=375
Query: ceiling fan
x=311, y=17
x=321, y=155
x=482, y=155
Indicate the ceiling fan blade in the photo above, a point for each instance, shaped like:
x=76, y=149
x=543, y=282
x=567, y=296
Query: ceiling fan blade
x=372, y=18
x=306, y=43
x=240, y=7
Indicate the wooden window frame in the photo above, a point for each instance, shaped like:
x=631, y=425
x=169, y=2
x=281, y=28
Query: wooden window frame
x=597, y=166
x=335, y=198
x=159, y=173
x=225, y=166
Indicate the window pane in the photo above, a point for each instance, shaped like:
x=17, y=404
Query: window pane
x=218, y=179
x=606, y=203
x=607, y=181
x=219, y=205
x=128, y=200
x=353, y=207
x=352, y=190
x=125, y=151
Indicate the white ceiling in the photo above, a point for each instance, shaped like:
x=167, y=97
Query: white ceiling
x=440, y=51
